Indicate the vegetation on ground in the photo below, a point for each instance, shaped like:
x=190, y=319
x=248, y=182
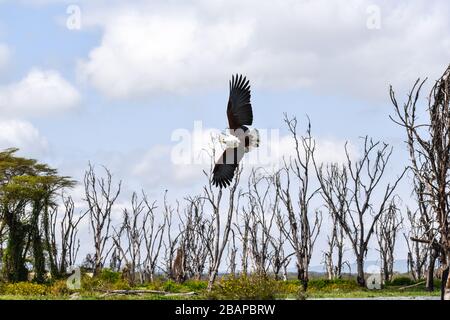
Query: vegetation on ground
x=250, y=287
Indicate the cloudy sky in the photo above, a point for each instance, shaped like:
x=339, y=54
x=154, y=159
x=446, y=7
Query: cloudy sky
x=115, y=82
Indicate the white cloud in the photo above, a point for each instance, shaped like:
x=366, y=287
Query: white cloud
x=22, y=135
x=152, y=46
x=4, y=55
x=41, y=92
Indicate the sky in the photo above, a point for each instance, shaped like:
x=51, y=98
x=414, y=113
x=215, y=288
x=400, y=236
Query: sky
x=115, y=82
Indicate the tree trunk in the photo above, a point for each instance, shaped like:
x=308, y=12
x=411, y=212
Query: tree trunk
x=387, y=271
x=302, y=275
x=39, y=259
x=430, y=271
x=360, y=271
x=445, y=285
x=14, y=262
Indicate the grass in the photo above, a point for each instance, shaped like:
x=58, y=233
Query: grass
x=251, y=287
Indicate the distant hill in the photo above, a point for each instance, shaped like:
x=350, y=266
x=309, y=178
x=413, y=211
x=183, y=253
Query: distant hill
x=400, y=266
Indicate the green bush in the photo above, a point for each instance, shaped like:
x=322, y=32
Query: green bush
x=400, y=281
x=110, y=276
x=157, y=284
x=251, y=287
x=25, y=289
x=172, y=286
x=437, y=283
x=107, y=280
x=196, y=285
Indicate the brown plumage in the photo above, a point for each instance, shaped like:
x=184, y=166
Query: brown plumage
x=240, y=115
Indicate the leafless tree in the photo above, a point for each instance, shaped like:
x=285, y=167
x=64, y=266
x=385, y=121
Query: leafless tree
x=242, y=225
x=198, y=231
x=232, y=253
x=172, y=238
x=153, y=238
x=386, y=230
x=280, y=259
x=100, y=198
x=417, y=250
x=429, y=231
x=132, y=229
x=302, y=232
x=429, y=151
x=68, y=242
x=221, y=236
x=348, y=191
x=178, y=265
x=260, y=214
x=333, y=257
x=116, y=260
x=143, y=239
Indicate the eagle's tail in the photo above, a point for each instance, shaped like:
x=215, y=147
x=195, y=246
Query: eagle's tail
x=253, y=139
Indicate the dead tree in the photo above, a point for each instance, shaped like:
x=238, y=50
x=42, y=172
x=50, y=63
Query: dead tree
x=221, y=236
x=67, y=229
x=280, y=259
x=132, y=230
x=100, y=198
x=171, y=239
x=417, y=250
x=242, y=227
x=280, y=262
x=429, y=150
x=259, y=215
x=116, y=260
x=302, y=231
x=333, y=257
x=232, y=253
x=386, y=230
x=429, y=232
x=197, y=235
x=349, y=192
x=153, y=238
x=178, y=266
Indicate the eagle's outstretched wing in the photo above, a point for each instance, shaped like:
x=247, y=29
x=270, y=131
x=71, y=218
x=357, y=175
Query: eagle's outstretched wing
x=239, y=110
x=225, y=167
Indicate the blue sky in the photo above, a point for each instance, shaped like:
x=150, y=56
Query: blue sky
x=114, y=91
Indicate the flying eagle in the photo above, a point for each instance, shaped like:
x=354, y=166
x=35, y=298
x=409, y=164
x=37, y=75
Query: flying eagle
x=240, y=138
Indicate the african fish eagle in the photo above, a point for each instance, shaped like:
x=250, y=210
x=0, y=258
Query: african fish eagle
x=240, y=138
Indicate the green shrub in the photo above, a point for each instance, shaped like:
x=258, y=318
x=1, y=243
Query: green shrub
x=196, y=285
x=24, y=289
x=437, y=283
x=172, y=286
x=400, y=281
x=105, y=281
x=251, y=287
x=157, y=284
x=109, y=276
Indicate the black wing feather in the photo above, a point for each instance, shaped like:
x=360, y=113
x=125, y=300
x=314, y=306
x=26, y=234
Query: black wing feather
x=225, y=167
x=239, y=109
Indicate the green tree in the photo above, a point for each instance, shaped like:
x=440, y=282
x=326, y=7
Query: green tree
x=27, y=192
